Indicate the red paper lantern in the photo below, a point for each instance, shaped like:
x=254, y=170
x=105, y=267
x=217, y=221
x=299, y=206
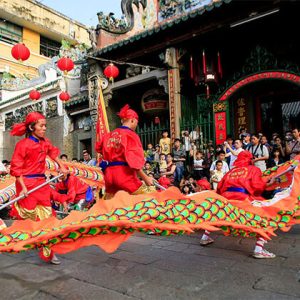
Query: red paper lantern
x=65, y=64
x=111, y=71
x=64, y=96
x=20, y=52
x=34, y=95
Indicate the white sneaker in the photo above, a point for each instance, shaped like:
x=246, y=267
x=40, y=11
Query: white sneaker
x=205, y=242
x=263, y=254
x=55, y=260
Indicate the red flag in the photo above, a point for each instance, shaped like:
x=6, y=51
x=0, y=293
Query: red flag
x=220, y=71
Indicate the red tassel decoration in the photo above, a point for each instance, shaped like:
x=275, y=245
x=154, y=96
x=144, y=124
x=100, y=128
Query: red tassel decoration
x=191, y=68
x=204, y=63
x=220, y=71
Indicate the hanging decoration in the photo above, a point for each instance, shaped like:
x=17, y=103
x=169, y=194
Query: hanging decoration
x=111, y=72
x=65, y=64
x=64, y=96
x=34, y=95
x=220, y=71
x=204, y=63
x=20, y=52
x=191, y=68
x=207, y=91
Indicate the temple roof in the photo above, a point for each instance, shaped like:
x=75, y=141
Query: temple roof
x=161, y=27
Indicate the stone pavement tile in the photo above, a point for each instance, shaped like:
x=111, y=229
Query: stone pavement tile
x=151, y=283
x=234, y=255
x=239, y=283
x=13, y=289
x=134, y=257
x=71, y=289
x=30, y=272
x=8, y=260
x=41, y=296
x=193, y=264
x=83, y=255
x=285, y=282
x=141, y=239
x=292, y=262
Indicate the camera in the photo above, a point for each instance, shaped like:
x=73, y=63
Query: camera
x=288, y=138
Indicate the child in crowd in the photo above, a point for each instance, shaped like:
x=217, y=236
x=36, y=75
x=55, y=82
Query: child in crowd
x=165, y=143
x=162, y=163
x=198, y=166
x=217, y=175
x=147, y=168
x=149, y=153
x=156, y=154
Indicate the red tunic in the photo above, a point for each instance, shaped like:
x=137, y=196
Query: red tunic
x=75, y=188
x=122, y=145
x=29, y=158
x=248, y=178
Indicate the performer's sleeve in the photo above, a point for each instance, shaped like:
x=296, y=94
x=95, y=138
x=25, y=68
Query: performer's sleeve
x=134, y=152
x=53, y=152
x=57, y=197
x=17, y=161
x=71, y=189
x=257, y=182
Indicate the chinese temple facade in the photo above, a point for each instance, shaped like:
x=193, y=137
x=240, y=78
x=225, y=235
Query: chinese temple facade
x=212, y=65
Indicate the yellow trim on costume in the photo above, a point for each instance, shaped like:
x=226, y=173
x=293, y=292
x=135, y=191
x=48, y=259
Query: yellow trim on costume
x=39, y=213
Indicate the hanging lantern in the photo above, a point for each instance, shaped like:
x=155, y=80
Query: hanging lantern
x=20, y=52
x=156, y=120
x=64, y=96
x=65, y=64
x=34, y=95
x=111, y=72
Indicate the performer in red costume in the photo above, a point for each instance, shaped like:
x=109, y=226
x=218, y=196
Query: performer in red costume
x=243, y=182
x=28, y=166
x=77, y=191
x=123, y=158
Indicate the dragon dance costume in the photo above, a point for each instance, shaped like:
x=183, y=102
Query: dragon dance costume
x=123, y=155
x=28, y=161
x=109, y=223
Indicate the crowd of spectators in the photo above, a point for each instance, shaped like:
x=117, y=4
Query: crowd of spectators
x=192, y=166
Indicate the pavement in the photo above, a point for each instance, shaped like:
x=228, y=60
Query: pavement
x=154, y=267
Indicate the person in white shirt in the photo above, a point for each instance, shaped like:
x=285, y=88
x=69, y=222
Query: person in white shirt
x=234, y=152
x=260, y=153
x=220, y=156
x=217, y=175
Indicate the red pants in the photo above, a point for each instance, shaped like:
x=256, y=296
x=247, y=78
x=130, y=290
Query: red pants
x=41, y=198
x=119, y=178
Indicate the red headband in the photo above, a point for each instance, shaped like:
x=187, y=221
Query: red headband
x=127, y=113
x=20, y=128
x=244, y=159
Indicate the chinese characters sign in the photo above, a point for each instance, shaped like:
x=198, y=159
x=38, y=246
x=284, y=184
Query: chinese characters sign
x=241, y=115
x=220, y=127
